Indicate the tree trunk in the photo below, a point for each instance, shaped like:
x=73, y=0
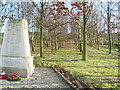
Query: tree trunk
x=52, y=45
x=41, y=30
x=55, y=41
x=84, y=37
x=108, y=26
x=80, y=46
x=79, y=41
x=118, y=30
x=79, y=38
x=32, y=36
x=97, y=39
x=47, y=40
x=55, y=45
x=18, y=10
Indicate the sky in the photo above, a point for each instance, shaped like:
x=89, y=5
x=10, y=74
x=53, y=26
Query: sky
x=61, y=0
x=67, y=4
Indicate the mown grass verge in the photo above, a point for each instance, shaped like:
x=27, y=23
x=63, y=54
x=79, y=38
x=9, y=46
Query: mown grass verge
x=99, y=70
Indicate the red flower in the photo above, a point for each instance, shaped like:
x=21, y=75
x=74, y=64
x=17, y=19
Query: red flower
x=3, y=76
x=14, y=75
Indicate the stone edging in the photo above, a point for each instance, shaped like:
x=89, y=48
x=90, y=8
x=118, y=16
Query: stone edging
x=68, y=78
x=74, y=83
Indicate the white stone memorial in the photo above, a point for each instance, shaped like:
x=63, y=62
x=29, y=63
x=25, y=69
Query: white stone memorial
x=15, y=54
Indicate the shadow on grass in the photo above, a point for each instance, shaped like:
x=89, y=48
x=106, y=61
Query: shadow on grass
x=115, y=58
x=60, y=60
x=64, y=51
x=94, y=66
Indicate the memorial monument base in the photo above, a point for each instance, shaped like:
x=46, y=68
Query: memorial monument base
x=15, y=56
x=17, y=65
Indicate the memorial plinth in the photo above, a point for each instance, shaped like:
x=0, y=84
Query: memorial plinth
x=15, y=54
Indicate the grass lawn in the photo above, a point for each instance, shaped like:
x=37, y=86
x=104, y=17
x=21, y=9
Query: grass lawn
x=100, y=69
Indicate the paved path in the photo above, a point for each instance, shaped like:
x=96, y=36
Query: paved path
x=42, y=78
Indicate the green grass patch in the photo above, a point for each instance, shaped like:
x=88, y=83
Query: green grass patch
x=100, y=69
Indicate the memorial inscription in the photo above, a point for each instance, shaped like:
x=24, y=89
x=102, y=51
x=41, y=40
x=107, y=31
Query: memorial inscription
x=13, y=35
